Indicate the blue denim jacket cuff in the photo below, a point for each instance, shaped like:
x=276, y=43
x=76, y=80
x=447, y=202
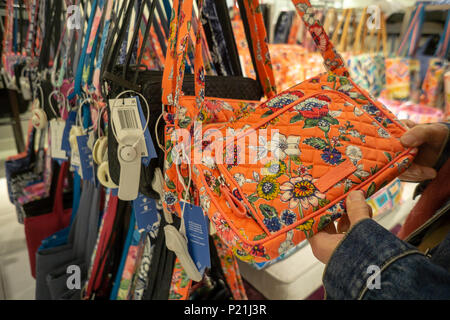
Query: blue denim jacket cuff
x=366, y=244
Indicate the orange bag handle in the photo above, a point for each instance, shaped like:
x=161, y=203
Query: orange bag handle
x=179, y=36
x=180, y=27
x=332, y=60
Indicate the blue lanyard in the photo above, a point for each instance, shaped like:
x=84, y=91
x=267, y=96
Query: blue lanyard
x=79, y=74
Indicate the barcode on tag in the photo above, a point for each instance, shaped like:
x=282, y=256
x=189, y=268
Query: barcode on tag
x=127, y=119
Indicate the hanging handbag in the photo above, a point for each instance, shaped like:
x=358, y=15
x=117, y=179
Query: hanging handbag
x=447, y=93
x=148, y=83
x=403, y=72
x=367, y=67
x=40, y=223
x=52, y=264
x=328, y=137
x=433, y=82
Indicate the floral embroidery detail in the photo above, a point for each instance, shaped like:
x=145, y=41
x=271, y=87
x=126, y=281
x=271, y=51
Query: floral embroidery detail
x=241, y=180
x=282, y=147
x=301, y=190
x=170, y=198
x=314, y=108
x=224, y=229
x=306, y=226
x=320, y=38
x=183, y=120
x=274, y=168
x=259, y=251
x=281, y=101
x=272, y=224
x=271, y=220
x=211, y=181
x=331, y=156
x=205, y=202
x=354, y=153
x=288, y=217
x=268, y=188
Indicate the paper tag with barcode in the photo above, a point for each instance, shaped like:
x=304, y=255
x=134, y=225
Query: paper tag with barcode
x=126, y=118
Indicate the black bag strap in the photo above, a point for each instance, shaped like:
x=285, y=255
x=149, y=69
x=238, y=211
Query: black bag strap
x=225, y=21
x=116, y=45
x=248, y=36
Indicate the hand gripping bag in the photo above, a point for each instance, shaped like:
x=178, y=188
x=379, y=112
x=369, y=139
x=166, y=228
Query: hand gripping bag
x=280, y=172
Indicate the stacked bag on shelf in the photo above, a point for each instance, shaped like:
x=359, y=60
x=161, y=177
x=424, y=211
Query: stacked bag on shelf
x=416, y=81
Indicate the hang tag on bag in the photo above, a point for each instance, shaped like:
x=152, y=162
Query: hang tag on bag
x=65, y=144
x=56, y=133
x=150, y=147
x=86, y=159
x=127, y=119
x=25, y=88
x=196, y=225
x=146, y=213
x=75, y=162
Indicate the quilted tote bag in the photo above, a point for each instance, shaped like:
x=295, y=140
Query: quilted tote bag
x=40, y=225
x=290, y=162
x=368, y=69
x=433, y=83
x=403, y=72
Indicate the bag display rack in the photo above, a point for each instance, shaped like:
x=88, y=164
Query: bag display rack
x=128, y=176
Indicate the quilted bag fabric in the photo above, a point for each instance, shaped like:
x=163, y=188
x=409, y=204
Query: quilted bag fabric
x=285, y=173
x=181, y=111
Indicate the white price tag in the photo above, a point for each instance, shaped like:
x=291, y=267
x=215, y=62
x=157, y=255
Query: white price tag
x=25, y=88
x=56, y=134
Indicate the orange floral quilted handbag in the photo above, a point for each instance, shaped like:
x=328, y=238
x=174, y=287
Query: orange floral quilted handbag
x=182, y=111
x=280, y=172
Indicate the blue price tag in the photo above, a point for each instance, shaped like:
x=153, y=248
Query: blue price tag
x=146, y=213
x=147, y=137
x=115, y=192
x=197, y=235
x=65, y=144
x=86, y=160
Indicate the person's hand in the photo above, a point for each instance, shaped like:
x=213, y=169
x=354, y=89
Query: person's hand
x=325, y=242
x=429, y=139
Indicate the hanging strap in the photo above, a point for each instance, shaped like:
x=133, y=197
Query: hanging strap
x=115, y=48
x=332, y=60
x=344, y=37
x=412, y=31
x=178, y=44
x=79, y=74
x=357, y=46
x=382, y=35
x=106, y=28
x=58, y=204
x=444, y=42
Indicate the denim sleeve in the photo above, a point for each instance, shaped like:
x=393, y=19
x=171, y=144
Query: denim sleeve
x=369, y=251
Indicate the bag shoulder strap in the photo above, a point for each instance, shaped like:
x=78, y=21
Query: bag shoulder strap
x=332, y=60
